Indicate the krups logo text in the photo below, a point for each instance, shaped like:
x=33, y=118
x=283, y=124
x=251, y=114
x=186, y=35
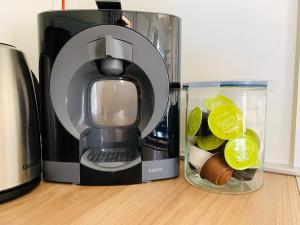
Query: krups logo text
x=155, y=170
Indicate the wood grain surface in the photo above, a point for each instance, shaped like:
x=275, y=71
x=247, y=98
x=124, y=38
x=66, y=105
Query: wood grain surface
x=171, y=201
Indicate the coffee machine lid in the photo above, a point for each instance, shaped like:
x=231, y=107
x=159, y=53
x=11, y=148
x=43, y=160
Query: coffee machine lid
x=74, y=69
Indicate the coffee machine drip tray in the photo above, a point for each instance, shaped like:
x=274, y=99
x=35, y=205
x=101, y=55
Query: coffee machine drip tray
x=120, y=155
x=110, y=159
x=110, y=149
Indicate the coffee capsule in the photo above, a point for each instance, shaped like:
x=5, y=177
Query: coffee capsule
x=197, y=156
x=191, y=166
x=226, y=121
x=194, y=121
x=216, y=170
x=210, y=142
x=206, y=140
x=244, y=175
x=241, y=153
x=254, y=135
x=192, y=140
x=219, y=100
x=204, y=128
x=219, y=149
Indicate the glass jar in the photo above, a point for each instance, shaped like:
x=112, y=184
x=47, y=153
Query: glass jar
x=225, y=135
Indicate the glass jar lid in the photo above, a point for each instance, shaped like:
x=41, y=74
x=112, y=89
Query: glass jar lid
x=256, y=84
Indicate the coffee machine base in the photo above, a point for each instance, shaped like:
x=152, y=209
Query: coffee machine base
x=68, y=172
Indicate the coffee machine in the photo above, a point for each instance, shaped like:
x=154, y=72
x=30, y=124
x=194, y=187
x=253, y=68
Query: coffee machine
x=110, y=85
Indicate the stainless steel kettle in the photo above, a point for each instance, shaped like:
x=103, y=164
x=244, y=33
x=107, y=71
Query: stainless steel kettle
x=20, y=150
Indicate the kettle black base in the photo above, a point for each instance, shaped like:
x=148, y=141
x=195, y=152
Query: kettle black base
x=18, y=191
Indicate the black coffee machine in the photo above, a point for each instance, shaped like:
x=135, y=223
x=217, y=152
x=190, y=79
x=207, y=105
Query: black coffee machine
x=110, y=85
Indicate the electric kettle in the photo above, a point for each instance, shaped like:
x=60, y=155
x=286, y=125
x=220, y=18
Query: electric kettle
x=20, y=166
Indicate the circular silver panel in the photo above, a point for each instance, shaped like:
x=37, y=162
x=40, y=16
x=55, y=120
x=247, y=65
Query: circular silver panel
x=68, y=97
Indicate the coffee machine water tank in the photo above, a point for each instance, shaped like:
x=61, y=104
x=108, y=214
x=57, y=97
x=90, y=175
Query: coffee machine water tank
x=110, y=83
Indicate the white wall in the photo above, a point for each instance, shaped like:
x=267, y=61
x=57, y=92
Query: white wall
x=230, y=39
x=18, y=26
x=297, y=135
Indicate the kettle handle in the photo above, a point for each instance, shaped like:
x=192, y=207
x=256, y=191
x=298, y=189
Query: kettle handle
x=36, y=88
x=109, y=4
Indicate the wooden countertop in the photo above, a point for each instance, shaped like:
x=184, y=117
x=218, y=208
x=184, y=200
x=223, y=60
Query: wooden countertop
x=171, y=201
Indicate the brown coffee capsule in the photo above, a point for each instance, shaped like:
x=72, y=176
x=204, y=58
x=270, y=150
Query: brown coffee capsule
x=244, y=175
x=216, y=170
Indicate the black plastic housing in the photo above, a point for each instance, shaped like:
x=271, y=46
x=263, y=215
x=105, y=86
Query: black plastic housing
x=56, y=28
